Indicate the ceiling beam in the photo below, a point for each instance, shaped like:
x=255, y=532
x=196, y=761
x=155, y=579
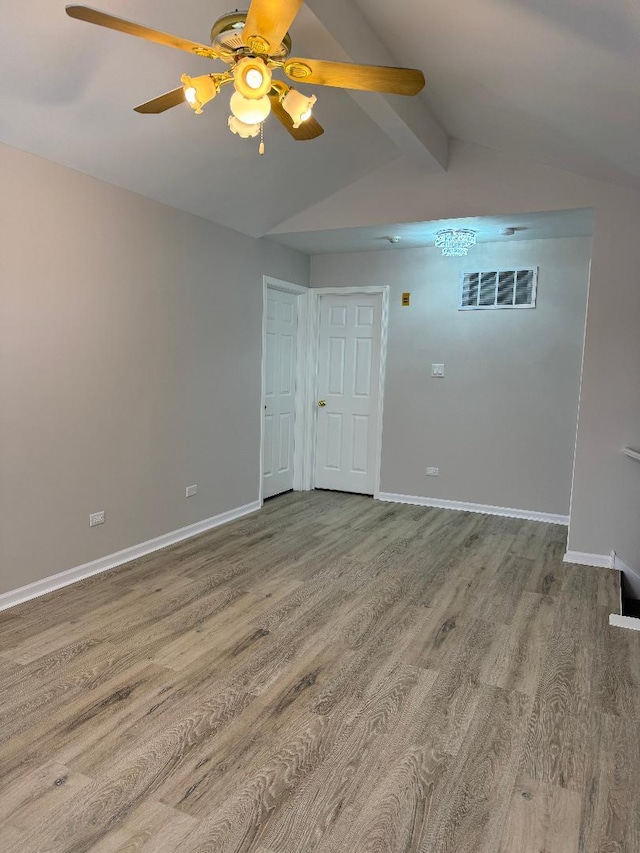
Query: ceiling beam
x=342, y=33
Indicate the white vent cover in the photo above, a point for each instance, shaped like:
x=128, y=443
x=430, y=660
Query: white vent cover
x=514, y=288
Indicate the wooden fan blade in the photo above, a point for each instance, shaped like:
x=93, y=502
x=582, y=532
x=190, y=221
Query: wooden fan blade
x=309, y=129
x=92, y=16
x=163, y=102
x=370, y=78
x=269, y=20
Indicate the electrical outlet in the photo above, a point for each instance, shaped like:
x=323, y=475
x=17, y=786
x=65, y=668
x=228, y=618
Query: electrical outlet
x=433, y=472
x=192, y=490
x=96, y=518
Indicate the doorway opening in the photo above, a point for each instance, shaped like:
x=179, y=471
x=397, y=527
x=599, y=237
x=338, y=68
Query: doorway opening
x=323, y=367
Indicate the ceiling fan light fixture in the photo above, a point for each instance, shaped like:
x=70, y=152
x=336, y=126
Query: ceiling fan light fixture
x=198, y=91
x=298, y=106
x=253, y=44
x=245, y=131
x=250, y=111
x=252, y=77
x=455, y=242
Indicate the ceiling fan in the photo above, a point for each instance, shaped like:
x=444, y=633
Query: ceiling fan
x=254, y=44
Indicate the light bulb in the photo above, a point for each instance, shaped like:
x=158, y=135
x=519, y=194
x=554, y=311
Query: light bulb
x=191, y=95
x=250, y=111
x=306, y=115
x=254, y=78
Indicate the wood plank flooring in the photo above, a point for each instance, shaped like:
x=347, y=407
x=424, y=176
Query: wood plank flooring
x=331, y=674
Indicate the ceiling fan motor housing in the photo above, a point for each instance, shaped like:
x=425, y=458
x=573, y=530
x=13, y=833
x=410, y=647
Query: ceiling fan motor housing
x=226, y=37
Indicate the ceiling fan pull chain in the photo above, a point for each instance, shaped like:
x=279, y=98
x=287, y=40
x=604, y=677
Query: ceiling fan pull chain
x=261, y=148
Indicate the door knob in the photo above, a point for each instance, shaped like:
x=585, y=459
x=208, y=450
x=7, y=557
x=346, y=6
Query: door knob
x=322, y=403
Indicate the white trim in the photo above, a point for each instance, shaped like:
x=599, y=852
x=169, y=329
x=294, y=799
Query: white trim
x=621, y=566
x=529, y=515
x=624, y=622
x=620, y=595
x=103, y=564
x=304, y=390
x=314, y=345
x=575, y=441
x=384, y=327
x=301, y=403
x=308, y=421
x=582, y=558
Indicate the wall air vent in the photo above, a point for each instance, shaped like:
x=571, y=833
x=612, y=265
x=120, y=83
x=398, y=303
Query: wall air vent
x=513, y=288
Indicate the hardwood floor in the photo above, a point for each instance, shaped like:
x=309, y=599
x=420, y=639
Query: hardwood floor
x=331, y=674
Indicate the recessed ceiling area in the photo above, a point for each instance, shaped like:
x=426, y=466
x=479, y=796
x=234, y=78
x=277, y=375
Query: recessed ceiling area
x=414, y=235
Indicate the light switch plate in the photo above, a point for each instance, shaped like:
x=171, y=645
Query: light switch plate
x=437, y=371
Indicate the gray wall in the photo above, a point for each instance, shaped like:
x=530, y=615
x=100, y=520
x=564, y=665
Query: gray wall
x=501, y=425
x=130, y=337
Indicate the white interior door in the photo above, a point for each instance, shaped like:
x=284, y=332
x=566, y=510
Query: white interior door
x=279, y=392
x=348, y=386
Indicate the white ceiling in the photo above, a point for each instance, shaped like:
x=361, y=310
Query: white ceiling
x=557, y=80
x=67, y=92
x=554, y=80
x=413, y=235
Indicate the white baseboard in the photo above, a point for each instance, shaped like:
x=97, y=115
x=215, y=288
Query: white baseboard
x=624, y=622
x=529, y=515
x=103, y=564
x=582, y=558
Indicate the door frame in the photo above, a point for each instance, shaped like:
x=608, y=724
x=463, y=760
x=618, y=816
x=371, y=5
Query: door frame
x=304, y=390
x=315, y=295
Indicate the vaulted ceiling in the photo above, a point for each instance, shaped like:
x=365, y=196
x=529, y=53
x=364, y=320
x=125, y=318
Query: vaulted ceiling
x=555, y=80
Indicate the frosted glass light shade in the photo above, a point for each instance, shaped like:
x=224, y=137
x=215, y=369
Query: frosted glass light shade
x=298, y=106
x=249, y=111
x=242, y=129
x=198, y=91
